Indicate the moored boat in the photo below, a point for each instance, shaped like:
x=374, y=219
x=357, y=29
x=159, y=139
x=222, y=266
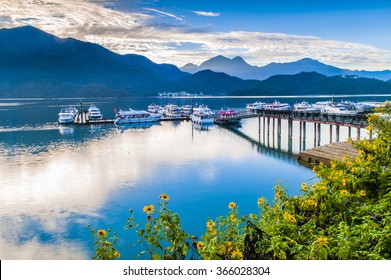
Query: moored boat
x=94, y=113
x=305, y=107
x=338, y=110
x=67, y=115
x=173, y=111
x=256, y=105
x=277, y=106
x=201, y=117
x=153, y=108
x=187, y=110
x=136, y=116
x=227, y=112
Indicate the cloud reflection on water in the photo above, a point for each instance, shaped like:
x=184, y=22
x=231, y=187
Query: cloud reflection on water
x=51, y=188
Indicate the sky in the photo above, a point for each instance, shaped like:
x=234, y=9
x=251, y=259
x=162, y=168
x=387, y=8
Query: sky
x=351, y=34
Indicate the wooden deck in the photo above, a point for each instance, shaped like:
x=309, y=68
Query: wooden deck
x=327, y=153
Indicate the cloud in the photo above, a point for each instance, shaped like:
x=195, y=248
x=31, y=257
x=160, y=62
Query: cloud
x=136, y=31
x=207, y=14
x=164, y=13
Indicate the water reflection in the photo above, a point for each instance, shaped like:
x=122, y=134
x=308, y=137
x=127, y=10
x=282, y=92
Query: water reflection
x=202, y=127
x=136, y=126
x=53, y=184
x=66, y=130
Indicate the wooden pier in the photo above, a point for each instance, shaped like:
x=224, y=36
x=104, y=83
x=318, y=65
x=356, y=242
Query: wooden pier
x=326, y=153
x=82, y=119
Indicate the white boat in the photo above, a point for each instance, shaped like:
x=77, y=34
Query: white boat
x=205, y=109
x=338, y=110
x=173, y=111
x=201, y=117
x=256, y=105
x=153, y=108
x=305, y=107
x=67, y=115
x=360, y=107
x=94, y=113
x=136, y=116
x=187, y=109
x=277, y=106
x=321, y=104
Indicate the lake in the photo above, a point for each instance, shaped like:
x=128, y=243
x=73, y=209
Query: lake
x=55, y=180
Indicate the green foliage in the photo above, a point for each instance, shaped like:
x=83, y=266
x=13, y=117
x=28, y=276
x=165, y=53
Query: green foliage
x=223, y=239
x=162, y=235
x=104, y=242
x=345, y=215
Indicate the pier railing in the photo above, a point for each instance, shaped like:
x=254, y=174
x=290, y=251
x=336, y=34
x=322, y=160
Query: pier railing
x=357, y=120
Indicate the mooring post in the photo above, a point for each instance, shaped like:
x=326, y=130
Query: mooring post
x=290, y=127
x=268, y=132
x=331, y=133
x=273, y=131
x=304, y=134
x=264, y=129
x=350, y=132
x=337, y=133
x=300, y=135
x=259, y=128
x=279, y=133
x=319, y=133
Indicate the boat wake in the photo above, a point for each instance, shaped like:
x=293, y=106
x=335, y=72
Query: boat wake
x=47, y=126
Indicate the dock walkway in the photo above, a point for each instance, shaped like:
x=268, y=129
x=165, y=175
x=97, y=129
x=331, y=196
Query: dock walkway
x=327, y=153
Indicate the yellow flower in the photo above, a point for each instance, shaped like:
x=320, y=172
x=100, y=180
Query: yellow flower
x=229, y=246
x=233, y=218
x=387, y=103
x=117, y=255
x=210, y=224
x=253, y=216
x=363, y=193
x=308, y=202
x=344, y=192
x=369, y=127
x=289, y=217
x=149, y=209
x=344, y=182
x=236, y=254
x=231, y=205
x=278, y=194
x=261, y=201
x=304, y=187
x=165, y=197
x=212, y=231
x=200, y=245
x=102, y=233
x=321, y=241
x=278, y=181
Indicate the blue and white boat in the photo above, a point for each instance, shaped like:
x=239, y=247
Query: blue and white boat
x=136, y=116
x=67, y=115
x=202, y=117
x=94, y=113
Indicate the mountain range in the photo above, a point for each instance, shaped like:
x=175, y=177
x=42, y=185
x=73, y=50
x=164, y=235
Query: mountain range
x=238, y=67
x=312, y=83
x=37, y=64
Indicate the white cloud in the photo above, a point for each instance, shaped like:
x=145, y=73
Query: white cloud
x=207, y=14
x=164, y=13
x=137, y=32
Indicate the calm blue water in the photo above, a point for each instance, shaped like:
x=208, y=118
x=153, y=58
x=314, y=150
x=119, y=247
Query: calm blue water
x=55, y=180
